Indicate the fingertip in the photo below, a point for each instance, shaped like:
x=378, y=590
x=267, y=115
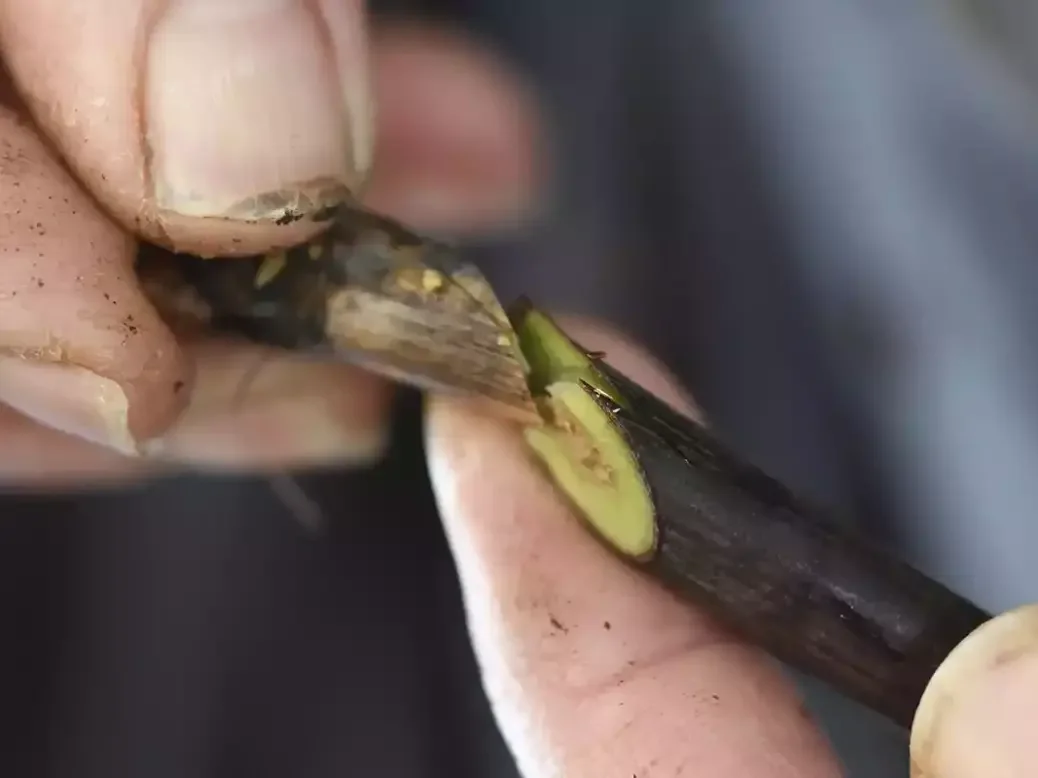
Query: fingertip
x=251, y=410
x=976, y=717
x=254, y=409
x=459, y=132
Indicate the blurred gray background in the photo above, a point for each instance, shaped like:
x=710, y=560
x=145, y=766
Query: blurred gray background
x=821, y=214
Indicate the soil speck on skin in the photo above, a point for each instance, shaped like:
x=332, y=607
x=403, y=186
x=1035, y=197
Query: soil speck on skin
x=557, y=624
x=40, y=283
x=178, y=387
x=288, y=217
x=715, y=698
x=607, y=625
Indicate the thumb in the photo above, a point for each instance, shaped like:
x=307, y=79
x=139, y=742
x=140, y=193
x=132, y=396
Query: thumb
x=977, y=717
x=592, y=670
x=211, y=126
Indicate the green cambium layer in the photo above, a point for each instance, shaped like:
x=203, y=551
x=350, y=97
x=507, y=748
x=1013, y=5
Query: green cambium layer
x=583, y=448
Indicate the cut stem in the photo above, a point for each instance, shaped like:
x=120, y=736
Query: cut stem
x=670, y=499
x=590, y=460
x=585, y=453
x=366, y=291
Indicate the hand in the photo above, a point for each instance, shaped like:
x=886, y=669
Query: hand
x=978, y=717
x=594, y=671
x=195, y=124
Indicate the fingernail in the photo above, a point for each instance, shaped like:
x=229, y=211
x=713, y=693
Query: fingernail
x=246, y=112
x=976, y=719
x=69, y=399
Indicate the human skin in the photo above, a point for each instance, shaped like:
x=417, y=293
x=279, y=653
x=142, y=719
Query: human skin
x=86, y=354
x=591, y=669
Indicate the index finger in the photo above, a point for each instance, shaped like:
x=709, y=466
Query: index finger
x=592, y=670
